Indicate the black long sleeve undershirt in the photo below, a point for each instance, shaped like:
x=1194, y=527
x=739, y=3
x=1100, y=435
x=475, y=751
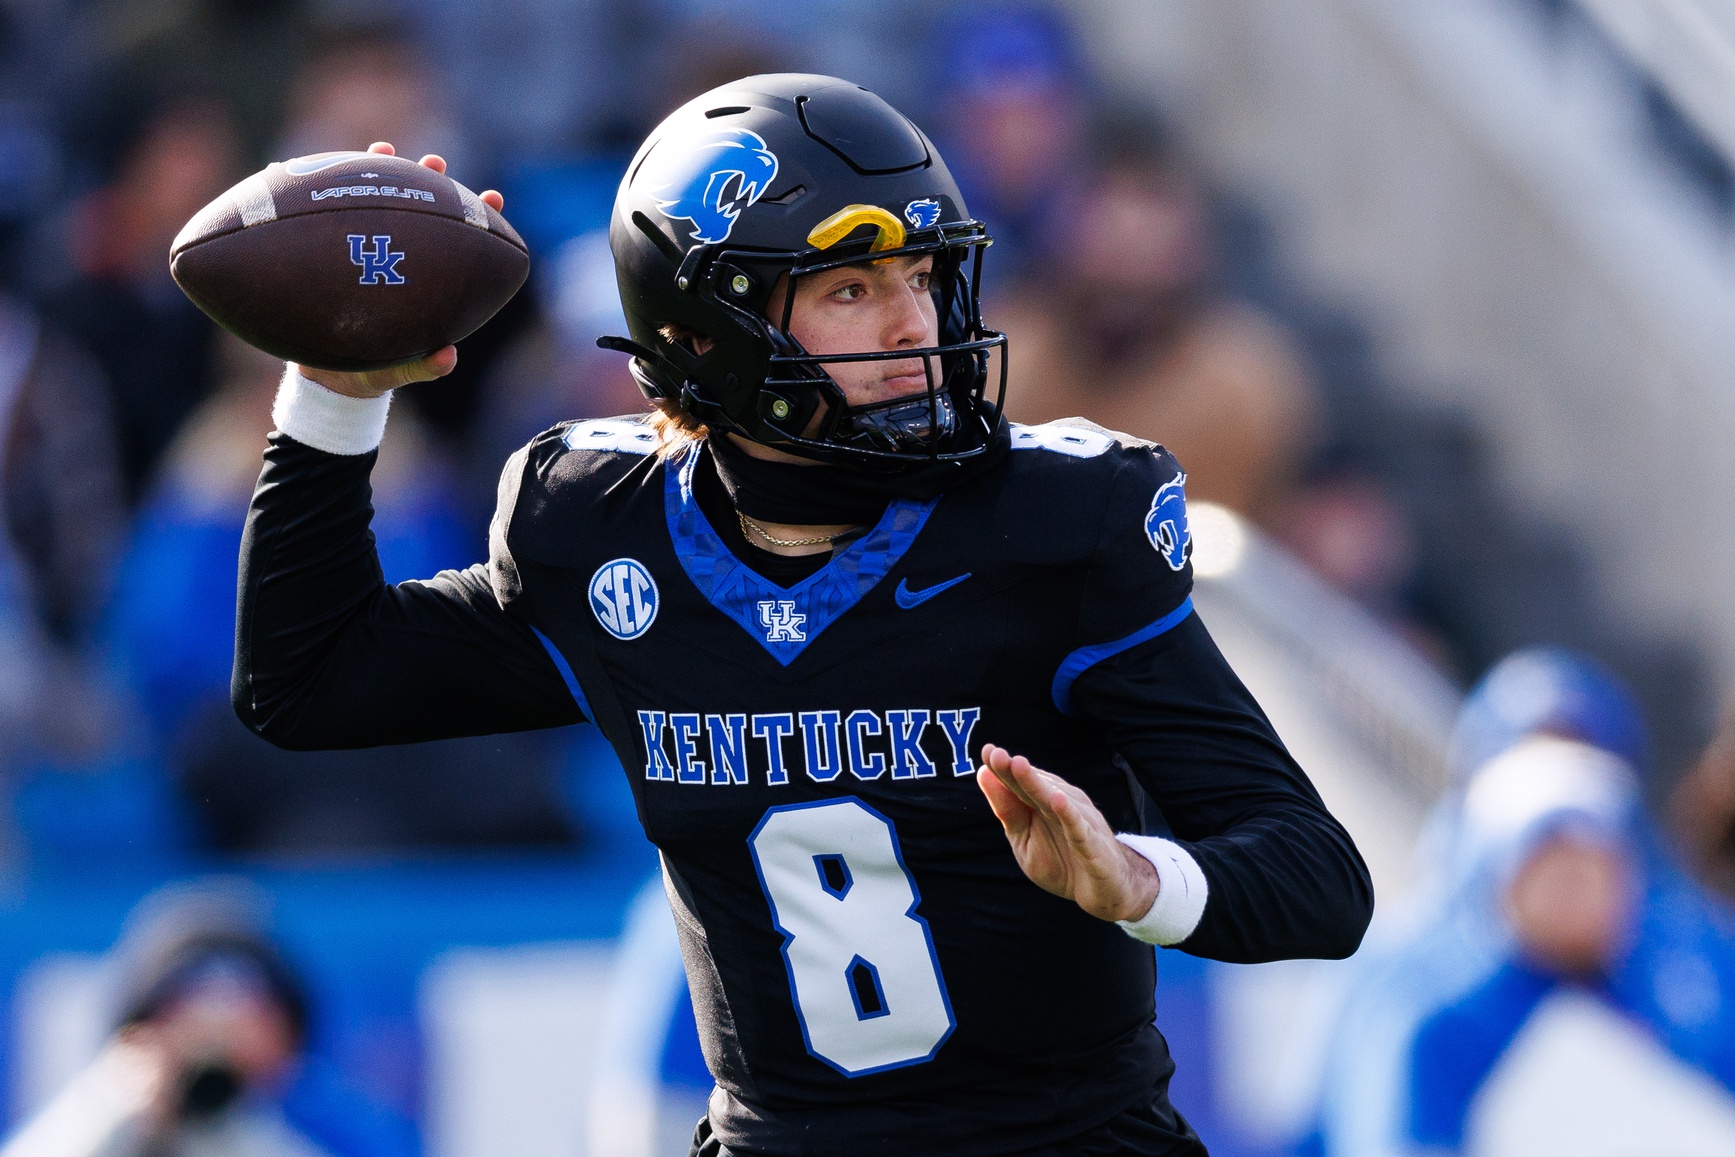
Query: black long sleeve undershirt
x=328, y=655
x=1285, y=877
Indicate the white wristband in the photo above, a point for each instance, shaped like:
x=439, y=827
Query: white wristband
x=318, y=417
x=1181, y=897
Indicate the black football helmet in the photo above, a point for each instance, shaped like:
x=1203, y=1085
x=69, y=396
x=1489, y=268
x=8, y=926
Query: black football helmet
x=790, y=174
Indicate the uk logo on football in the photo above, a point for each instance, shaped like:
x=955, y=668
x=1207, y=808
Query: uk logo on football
x=623, y=596
x=781, y=621
x=1166, y=524
x=379, y=265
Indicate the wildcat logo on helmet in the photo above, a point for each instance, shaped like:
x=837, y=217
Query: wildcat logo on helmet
x=1166, y=524
x=709, y=179
x=922, y=214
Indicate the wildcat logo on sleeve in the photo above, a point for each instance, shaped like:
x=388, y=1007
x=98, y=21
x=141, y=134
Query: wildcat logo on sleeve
x=1166, y=524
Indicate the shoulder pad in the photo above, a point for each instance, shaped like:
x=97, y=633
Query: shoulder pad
x=1055, y=505
x=1074, y=437
x=576, y=477
x=617, y=435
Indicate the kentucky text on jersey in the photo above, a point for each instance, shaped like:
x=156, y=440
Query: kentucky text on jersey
x=916, y=743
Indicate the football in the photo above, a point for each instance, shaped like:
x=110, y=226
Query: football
x=349, y=261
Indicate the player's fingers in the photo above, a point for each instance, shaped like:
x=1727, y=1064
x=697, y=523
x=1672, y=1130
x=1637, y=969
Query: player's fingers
x=1035, y=786
x=494, y=200
x=1007, y=808
x=1004, y=765
x=384, y=147
x=442, y=361
x=433, y=161
x=436, y=365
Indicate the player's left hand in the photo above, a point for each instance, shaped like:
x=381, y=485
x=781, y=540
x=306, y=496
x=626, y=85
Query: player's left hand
x=1062, y=841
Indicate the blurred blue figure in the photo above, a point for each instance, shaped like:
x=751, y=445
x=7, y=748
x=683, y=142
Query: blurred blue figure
x=210, y=1051
x=172, y=624
x=1549, y=888
x=171, y=632
x=1010, y=115
x=1547, y=691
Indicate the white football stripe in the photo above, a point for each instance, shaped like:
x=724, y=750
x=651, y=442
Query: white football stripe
x=254, y=201
x=475, y=212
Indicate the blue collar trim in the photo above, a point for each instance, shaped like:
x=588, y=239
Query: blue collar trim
x=1085, y=658
x=783, y=620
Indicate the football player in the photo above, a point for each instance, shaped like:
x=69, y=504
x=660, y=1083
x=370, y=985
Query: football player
x=914, y=704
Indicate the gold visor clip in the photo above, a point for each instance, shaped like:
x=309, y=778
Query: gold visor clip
x=852, y=217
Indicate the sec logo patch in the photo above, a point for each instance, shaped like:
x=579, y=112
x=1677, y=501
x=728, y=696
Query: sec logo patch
x=623, y=596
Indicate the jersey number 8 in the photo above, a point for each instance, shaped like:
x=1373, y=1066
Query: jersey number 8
x=862, y=968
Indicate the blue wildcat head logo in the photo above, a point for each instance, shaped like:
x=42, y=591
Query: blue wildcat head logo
x=922, y=214
x=1166, y=524
x=711, y=178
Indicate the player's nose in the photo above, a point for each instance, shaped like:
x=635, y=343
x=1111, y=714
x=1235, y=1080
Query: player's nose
x=907, y=324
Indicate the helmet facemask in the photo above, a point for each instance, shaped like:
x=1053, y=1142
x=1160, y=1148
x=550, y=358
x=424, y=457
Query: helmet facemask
x=799, y=407
x=934, y=423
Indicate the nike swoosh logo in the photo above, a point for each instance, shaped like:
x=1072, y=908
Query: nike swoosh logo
x=909, y=599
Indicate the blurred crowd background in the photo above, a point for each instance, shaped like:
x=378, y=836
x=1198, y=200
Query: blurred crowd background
x=375, y=926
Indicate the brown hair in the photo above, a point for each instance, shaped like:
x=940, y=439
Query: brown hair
x=674, y=427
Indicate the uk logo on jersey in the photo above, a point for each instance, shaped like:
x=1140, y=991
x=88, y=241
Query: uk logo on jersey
x=922, y=214
x=710, y=179
x=1166, y=524
x=623, y=596
x=379, y=265
x=781, y=621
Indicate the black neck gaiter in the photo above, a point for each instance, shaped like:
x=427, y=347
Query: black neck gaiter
x=825, y=494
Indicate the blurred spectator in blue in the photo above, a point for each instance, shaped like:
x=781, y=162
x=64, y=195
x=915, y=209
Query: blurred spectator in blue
x=210, y=1056
x=1550, y=901
x=1010, y=114
x=171, y=630
x=1123, y=324
x=1010, y=111
x=1547, y=691
x=117, y=299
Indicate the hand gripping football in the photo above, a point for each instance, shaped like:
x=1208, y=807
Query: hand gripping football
x=349, y=261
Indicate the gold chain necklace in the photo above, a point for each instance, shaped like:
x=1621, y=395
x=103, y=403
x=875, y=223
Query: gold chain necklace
x=747, y=524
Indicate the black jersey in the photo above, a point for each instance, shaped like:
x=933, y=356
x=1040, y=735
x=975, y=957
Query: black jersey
x=871, y=970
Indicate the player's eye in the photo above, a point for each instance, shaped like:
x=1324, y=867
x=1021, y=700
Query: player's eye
x=921, y=278
x=849, y=291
